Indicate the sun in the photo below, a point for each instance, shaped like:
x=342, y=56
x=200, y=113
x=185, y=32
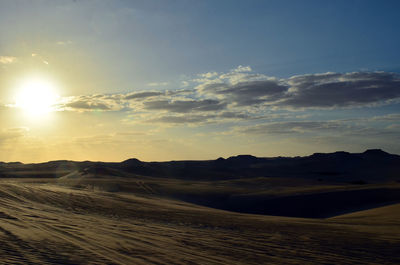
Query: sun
x=36, y=97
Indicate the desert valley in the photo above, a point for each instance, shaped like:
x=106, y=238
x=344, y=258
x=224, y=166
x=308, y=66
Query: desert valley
x=336, y=208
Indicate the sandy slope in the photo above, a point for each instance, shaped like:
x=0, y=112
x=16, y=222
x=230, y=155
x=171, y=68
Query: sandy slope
x=43, y=223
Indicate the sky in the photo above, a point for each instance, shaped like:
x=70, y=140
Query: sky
x=186, y=80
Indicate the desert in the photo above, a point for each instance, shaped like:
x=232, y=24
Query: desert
x=65, y=212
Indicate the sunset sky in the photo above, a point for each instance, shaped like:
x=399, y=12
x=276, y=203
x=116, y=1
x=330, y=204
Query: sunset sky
x=174, y=80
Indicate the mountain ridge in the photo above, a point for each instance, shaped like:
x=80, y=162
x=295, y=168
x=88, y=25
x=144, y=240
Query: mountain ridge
x=376, y=151
x=373, y=165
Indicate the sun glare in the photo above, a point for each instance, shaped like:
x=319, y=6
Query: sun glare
x=37, y=97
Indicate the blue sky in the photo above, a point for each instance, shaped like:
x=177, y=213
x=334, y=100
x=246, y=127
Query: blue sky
x=242, y=76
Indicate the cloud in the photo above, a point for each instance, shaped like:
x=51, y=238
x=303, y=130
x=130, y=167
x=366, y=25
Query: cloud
x=182, y=119
x=41, y=58
x=291, y=127
x=159, y=84
x=241, y=69
x=385, y=133
x=392, y=117
x=92, y=103
x=184, y=106
x=199, y=118
x=184, y=83
x=7, y=59
x=331, y=90
x=208, y=75
x=234, y=115
x=83, y=104
x=247, y=93
x=339, y=129
x=144, y=94
x=242, y=94
x=63, y=43
x=323, y=91
x=13, y=133
x=234, y=76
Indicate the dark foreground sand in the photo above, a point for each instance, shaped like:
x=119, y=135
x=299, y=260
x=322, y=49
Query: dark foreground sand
x=43, y=222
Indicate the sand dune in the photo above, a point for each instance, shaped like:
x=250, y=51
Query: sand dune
x=240, y=210
x=42, y=222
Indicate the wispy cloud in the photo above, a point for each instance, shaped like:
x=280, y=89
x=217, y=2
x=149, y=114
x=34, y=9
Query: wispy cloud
x=7, y=59
x=63, y=43
x=13, y=133
x=291, y=127
x=143, y=94
x=197, y=119
x=158, y=84
x=184, y=106
x=392, y=117
x=181, y=119
x=41, y=58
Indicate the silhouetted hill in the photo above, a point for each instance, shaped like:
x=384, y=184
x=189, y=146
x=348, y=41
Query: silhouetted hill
x=372, y=165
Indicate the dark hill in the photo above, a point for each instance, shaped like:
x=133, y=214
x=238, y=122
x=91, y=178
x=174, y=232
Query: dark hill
x=370, y=166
